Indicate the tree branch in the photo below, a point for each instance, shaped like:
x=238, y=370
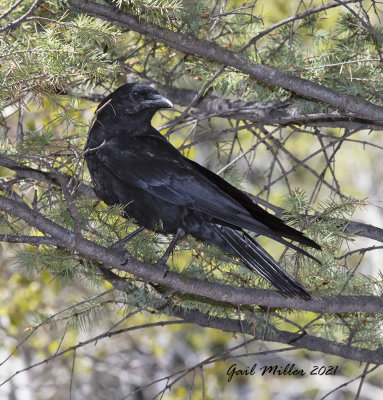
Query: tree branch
x=33, y=240
x=18, y=21
x=192, y=45
x=10, y=9
x=293, y=18
x=267, y=113
x=25, y=172
x=183, y=283
x=296, y=340
x=365, y=230
x=275, y=335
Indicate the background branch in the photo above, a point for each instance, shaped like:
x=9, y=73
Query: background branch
x=192, y=45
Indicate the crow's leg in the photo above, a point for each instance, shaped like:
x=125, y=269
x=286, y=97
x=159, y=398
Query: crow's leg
x=121, y=243
x=163, y=260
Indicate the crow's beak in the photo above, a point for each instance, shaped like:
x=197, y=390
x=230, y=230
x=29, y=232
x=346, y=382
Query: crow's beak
x=159, y=101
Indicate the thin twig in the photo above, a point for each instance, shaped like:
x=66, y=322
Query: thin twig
x=18, y=21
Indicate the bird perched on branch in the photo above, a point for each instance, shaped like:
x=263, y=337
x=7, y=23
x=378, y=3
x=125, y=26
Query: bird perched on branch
x=132, y=164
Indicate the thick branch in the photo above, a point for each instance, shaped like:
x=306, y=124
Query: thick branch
x=293, y=339
x=192, y=45
x=365, y=230
x=266, y=112
x=33, y=240
x=183, y=283
x=297, y=340
x=26, y=172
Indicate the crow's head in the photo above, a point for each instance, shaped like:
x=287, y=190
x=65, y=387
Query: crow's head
x=133, y=99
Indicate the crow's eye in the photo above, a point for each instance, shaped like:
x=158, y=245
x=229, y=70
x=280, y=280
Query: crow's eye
x=136, y=95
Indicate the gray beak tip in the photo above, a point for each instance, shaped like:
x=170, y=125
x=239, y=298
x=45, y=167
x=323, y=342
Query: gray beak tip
x=160, y=101
x=168, y=102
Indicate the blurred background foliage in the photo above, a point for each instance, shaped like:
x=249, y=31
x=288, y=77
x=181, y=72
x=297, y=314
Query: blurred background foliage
x=55, y=66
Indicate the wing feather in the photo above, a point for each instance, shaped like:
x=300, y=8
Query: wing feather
x=155, y=173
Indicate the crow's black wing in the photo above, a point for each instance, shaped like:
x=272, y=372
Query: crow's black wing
x=261, y=215
x=155, y=166
x=151, y=163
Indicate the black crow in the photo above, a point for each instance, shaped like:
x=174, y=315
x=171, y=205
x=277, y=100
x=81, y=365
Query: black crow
x=132, y=164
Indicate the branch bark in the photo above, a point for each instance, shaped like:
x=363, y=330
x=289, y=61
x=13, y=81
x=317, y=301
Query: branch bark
x=17, y=22
x=296, y=340
x=25, y=172
x=203, y=48
x=181, y=282
x=265, y=113
x=268, y=113
x=233, y=296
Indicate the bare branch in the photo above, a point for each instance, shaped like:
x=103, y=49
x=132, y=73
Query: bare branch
x=192, y=45
x=92, y=340
x=185, y=284
x=10, y=9
x=267, y=113
x=25, y=172
x=33, y=240
x=303, y=15
x=18, y=21
x=293, y=339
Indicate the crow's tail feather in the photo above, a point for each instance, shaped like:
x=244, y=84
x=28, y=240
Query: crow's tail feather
x=240, y=244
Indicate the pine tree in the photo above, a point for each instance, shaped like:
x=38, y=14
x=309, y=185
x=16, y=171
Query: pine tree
x=279, y=104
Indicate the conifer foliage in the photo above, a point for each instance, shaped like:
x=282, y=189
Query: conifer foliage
x=283, y=100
